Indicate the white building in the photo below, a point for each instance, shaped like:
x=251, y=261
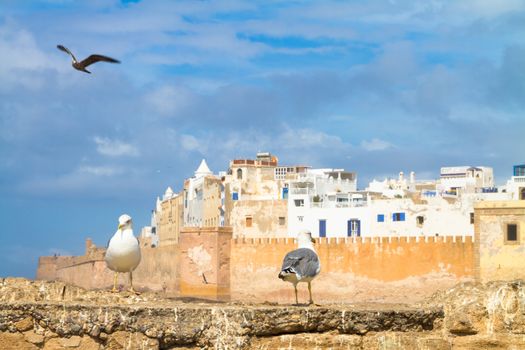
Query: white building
x=203, y=198
x=390, y=208
x=516, y=185
x=465, y=179
x=393, y=188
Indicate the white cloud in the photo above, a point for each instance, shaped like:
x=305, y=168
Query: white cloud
x=190, y=143
x=168, y=100
x=114, y=148
x=99, y=170
x=376, y=145
x=20, y=58
x=305, y=138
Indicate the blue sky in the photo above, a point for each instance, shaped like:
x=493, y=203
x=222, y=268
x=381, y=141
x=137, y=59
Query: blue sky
x=375, y=87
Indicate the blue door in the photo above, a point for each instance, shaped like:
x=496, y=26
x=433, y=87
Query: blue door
x=353, y=228
x=322, y=228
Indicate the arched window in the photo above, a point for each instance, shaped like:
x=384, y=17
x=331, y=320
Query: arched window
x=522, y=194
x=239, y=174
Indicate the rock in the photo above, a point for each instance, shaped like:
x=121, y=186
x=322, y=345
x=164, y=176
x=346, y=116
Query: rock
x=15, y=341
x=25, y=324
x=34, y=338
x=73, y=342
x=461, y=325
x=89, y=343
x=125, y=340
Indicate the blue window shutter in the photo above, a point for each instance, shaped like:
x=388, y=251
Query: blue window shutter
x=358, y=228
x=235, y=196
x=401, y=216
x=394, y=217
x=322, y=228
x=380, y=218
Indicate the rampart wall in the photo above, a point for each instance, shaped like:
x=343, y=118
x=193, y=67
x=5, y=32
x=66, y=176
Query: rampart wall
x=157, y=270
x=394, y=269
x=208, y=263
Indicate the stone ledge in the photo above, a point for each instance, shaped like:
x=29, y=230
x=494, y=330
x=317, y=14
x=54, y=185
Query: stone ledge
x=52, y=315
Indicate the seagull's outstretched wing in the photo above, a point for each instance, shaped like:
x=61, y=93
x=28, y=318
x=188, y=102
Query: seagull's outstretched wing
x=96, y=58
x=66, y=50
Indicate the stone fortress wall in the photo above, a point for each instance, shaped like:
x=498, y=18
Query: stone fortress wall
x=208, y=263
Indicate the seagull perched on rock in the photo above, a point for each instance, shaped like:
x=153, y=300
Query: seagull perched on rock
x=86, y=62
x=123, y=251
x=301, y=264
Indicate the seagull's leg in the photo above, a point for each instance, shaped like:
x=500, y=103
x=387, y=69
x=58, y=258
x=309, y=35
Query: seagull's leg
x=131, y=283
x=310, y=292
x=295, y=289
x=114, y=290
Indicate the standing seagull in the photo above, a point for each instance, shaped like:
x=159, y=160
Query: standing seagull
x=123, y=252
x=302, y=264
x=86, y=62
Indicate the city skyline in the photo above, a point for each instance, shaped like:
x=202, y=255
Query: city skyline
x=374, y=88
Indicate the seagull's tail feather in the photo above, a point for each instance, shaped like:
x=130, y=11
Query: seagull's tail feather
x=286, y=272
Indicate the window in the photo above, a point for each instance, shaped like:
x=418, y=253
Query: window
x=380, y=217
x=299, y=202
x=471, y=218
x=398, y=217
x=239, y=174
x=300, y=218
x=420, y=220
x=322, y=228
x=353, y=228
x=249, y=221
x=511, y=234
x=235, y=196
x=282, y=220
x=522, y=193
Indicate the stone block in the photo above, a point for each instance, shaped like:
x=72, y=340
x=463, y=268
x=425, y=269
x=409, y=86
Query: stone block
x=15, y=341
x=34, y=338
x=121, y=340
x=25, y=324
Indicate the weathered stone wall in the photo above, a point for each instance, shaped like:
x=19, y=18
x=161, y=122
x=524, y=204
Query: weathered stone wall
x=157, y=270
x=53, y=315
x=500, y=259
x=204, y=262
x=207, y=263
x=265, y=218
x=361, y=269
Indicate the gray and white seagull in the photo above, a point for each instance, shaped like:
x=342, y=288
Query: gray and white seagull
x=81, y=66
x=301, y=264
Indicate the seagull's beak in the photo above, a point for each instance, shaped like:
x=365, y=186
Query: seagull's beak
x=120, y=226
x=313, y=240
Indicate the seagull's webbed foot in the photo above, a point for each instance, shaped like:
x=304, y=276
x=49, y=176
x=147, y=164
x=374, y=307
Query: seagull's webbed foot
x=132, y=290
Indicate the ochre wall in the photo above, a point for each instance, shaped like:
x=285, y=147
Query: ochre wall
x=207, y=263
x=265, y=217
x=499, y=260
x=157, y=270
x=395, y=270
x=204, y=270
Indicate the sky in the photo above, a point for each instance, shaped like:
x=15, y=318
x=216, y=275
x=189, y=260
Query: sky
x=374, y=87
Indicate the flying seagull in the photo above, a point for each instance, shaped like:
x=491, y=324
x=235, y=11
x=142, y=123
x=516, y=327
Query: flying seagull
x=86, y=62
x=123, y=251
x=301, y=264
